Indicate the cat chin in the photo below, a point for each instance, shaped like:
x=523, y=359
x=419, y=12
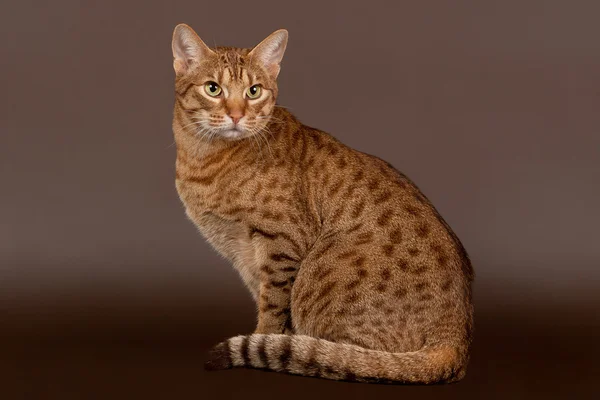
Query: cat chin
x=233, y=134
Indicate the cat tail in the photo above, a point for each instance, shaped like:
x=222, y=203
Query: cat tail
x=309, y=356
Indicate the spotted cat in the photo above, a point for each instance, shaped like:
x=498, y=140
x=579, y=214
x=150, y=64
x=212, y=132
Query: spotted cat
x=355, y=274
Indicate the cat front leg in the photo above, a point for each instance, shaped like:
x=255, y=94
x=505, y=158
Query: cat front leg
x=278, y=267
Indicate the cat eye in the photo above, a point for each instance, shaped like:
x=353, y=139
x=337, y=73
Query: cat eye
x=253, y=92
x=212, y=89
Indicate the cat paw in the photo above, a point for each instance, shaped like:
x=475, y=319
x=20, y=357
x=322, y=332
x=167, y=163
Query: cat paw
x=218, y=358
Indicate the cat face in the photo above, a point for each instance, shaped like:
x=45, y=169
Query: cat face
x=229, y=93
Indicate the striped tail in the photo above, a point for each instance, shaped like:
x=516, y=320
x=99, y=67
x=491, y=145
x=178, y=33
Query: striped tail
x=308, y=356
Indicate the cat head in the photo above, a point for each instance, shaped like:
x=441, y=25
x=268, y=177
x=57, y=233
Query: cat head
x=228, y=92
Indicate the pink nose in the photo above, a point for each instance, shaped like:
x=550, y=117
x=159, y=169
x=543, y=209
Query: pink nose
x=236, y=116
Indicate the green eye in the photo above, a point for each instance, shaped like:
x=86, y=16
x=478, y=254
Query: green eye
x=212, y=89
x=253, y=92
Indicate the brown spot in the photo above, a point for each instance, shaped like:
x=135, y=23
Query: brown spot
x=341, y=162
x=287, y=269
x=385, y=196
x=364, y=238
x=437, y=248
x=420, y=270
x=268, y=307
x=358, y=175
x=279, y=284
x=422, y=230
x=359, y=262
x=283, y=311
x=389, y=310
x=203, y=181
x=400, y=293
x=274, y=181
x=381, y=287
x=396, y=236
x=388, y=249
x=255, y=230
x=355, y=228
x=413, y=251
x=335, y=188
x=323, y=272
x=447, y=285
x=362, y=273
x=386, y=273
x=442, y=260
x=307, y=294
x=384, y=218
x=282, y=257
x=403, y=264
x=332, y=149
x=328, y=287
x=373, y=184
x=322, y=307
x=268, y=270
x=352, y=285
x=419, y=287
x=358, y=209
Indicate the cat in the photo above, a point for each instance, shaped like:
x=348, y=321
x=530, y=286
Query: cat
x=355, y=274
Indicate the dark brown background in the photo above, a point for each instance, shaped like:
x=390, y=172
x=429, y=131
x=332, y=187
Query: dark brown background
x=107, y=291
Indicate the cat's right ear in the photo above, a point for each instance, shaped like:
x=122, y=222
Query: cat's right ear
x=188, y=49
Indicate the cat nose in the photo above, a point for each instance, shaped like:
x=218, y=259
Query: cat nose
x=236, y=115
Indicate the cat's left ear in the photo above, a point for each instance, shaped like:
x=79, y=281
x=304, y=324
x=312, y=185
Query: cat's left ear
x=270, y=51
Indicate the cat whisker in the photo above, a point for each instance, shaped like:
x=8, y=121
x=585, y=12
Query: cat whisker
x=259, y=132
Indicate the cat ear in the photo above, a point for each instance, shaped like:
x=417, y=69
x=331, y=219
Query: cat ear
x=188, y=49
x=270, y=51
